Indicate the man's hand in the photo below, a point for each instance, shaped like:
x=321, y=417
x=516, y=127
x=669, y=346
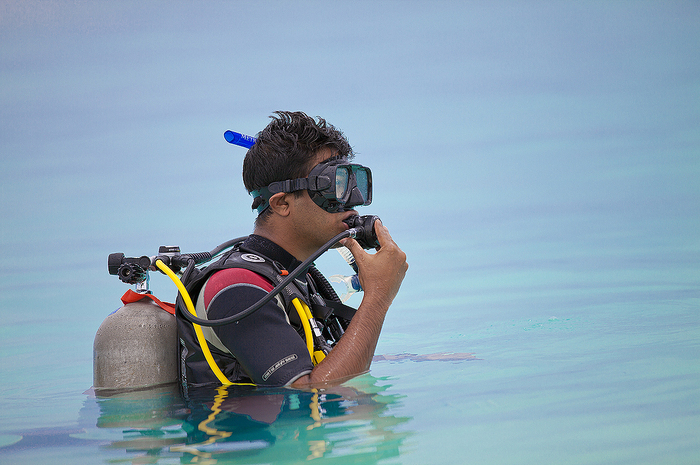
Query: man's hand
x=380, y=273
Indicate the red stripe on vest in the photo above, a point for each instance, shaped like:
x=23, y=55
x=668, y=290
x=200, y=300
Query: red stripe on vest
x=230, y=276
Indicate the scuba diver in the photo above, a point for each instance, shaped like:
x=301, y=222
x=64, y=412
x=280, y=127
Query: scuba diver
x=305, y=189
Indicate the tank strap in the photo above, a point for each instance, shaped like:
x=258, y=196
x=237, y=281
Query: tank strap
x=131, y=296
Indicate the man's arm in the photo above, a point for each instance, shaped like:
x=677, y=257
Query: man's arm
x=381, y=275
x=265, y=345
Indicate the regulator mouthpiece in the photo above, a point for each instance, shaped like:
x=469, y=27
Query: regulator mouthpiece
x=365, y=235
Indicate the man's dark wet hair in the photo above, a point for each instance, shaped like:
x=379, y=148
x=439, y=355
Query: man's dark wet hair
x=286, y=149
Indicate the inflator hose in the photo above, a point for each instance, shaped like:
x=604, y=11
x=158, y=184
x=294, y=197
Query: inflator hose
x=325, y=288
x=352, y=232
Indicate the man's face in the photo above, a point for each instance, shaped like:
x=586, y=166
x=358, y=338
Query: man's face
x=311, y=221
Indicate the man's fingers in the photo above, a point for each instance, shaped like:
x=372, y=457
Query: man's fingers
x=352, y=245
x=382, y=233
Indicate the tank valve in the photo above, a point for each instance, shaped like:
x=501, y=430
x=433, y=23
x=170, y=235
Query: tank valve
x=129, y=270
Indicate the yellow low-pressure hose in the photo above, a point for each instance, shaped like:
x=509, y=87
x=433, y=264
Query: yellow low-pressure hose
x=307, y=321
x=299, y=305
x=197, y=329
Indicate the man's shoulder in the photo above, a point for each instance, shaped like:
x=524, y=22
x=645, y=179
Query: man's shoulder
x=232, y=276
x=237, y=280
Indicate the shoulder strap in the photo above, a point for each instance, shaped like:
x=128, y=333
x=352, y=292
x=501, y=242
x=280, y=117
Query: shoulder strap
x=329, y=307
x=194, y=278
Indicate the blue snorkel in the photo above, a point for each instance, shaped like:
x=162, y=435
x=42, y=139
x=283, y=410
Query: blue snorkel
x=236, y=138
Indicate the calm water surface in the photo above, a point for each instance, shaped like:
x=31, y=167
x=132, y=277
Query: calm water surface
x=537, y=161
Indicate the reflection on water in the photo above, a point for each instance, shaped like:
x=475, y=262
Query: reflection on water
x=270, y=425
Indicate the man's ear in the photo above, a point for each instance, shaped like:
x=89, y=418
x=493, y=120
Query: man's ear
x=279, y=204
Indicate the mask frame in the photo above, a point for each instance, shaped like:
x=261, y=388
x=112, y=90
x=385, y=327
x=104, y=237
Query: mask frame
x=332, y=184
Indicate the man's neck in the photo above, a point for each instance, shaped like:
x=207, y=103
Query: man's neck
x=283, y=238
x=269, y=249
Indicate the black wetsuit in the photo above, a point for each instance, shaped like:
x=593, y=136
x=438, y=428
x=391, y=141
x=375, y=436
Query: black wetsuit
x=263, y=348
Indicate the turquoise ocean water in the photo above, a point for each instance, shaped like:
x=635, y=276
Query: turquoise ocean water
x=539, y=162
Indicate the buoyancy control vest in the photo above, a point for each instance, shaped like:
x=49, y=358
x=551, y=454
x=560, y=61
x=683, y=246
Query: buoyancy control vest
x=330, y=316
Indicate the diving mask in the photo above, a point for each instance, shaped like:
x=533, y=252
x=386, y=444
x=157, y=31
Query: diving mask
x=333, y=185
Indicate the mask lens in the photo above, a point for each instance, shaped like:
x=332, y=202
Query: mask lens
x=362, y=179
x=342, y=176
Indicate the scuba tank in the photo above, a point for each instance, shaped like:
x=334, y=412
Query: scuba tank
x=136, y=347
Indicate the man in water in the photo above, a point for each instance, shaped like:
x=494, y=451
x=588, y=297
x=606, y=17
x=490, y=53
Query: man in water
x=304, y=187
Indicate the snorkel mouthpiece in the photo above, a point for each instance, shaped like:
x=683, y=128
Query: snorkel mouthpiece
x=364, y=230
